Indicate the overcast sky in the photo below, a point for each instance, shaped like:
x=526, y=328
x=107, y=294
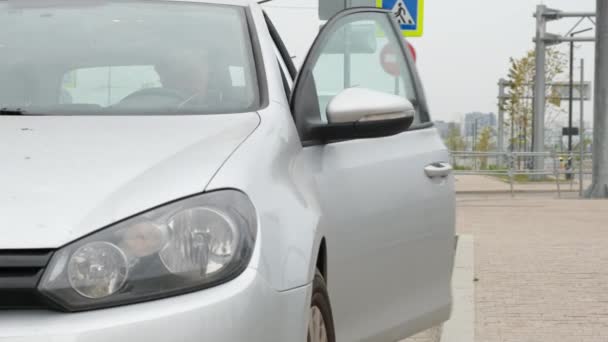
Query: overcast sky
x=465, y=48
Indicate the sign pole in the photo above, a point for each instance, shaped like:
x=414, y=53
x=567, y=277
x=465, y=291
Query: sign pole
x=538, y=138
x=329, y=8
x=569, y=175
x=581, y=133
x=570, y=97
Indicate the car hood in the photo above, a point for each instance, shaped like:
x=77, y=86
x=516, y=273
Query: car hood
x=63, y=177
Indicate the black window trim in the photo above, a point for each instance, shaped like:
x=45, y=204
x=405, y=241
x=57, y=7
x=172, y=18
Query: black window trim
x=258, y=60
x=421, y=104
x=278, y=42
x=286, y=85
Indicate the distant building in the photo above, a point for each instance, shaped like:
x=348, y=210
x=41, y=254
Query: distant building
x=475, y=122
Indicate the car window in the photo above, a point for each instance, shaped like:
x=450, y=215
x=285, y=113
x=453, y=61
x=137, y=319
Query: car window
x=362, y=50
x=106, y=86
x=134, y=57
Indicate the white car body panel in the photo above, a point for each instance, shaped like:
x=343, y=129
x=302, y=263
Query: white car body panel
x=387, y=235
x=245, y=309
x=64, y=177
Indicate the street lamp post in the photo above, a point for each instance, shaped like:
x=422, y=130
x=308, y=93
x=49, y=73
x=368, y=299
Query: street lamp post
x=571, y=99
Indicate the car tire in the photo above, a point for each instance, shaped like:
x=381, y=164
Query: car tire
x=321, y=321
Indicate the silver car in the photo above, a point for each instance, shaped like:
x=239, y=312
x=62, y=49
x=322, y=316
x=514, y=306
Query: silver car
x=167, y=175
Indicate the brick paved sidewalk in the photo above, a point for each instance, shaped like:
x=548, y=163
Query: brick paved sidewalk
x=542, y=265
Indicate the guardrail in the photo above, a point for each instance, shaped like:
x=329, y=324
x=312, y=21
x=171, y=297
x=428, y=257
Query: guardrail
x=511, y=164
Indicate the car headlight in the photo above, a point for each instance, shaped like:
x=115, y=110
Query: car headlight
x=180, y=247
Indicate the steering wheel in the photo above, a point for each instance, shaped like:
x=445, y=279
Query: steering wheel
x=170, y=95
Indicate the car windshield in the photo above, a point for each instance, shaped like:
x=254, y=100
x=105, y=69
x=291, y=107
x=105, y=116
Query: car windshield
x=105, y=57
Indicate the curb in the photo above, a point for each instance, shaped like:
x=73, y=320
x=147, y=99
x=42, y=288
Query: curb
x=461, y=327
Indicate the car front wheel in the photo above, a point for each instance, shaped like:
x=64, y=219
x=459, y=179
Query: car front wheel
x=321, y=322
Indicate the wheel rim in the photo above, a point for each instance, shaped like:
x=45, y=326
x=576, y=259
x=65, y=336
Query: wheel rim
x=317, y=331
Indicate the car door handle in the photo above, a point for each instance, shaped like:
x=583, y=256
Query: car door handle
x=438, y=170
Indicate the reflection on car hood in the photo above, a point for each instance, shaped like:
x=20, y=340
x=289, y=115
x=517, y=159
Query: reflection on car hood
x=62, y=177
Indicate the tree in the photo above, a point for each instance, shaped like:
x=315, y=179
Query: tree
x=485, y=145
x=454, y=140
x=519, y=102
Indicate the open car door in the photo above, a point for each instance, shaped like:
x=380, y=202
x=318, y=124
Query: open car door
x=387, y=192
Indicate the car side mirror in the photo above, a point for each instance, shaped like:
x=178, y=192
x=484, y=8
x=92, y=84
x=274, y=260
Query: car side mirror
x=364, y=113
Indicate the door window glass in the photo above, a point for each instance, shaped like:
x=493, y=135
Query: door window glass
x=362, y=50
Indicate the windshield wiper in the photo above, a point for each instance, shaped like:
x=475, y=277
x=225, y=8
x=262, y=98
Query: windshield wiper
x=11, y=111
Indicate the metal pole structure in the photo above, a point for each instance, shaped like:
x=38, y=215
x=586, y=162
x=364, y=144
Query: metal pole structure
x=328, y=8
x=560, y=15
x=572, y=39
x=582, y=130
x=475, y=136
x=544, y=39
x=500, y=139
x=538, y=138
x=599, y=188
x=570, y=105
x=109, y=86
x=512, y=141
x=347, y=57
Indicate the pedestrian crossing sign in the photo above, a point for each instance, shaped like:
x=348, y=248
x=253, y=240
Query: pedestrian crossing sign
x=409, y=14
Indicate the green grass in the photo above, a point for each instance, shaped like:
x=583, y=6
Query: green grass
x=488, y=168
x=519, y=178
x=530, y=179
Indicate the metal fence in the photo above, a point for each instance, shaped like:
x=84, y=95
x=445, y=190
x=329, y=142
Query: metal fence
x=511, y=165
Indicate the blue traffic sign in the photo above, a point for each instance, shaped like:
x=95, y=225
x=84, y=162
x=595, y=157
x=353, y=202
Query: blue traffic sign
x=409, y=14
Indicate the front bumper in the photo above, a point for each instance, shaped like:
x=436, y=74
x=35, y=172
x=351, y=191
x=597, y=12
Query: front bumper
x=245, y=309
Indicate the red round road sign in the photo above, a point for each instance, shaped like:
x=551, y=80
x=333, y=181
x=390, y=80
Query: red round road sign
x=412, y=50
x=390, y=61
